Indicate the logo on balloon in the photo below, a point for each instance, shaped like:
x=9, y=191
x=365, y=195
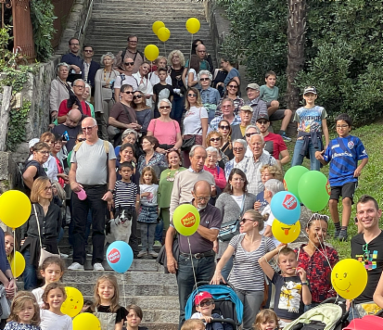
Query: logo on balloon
x=328, y=188
x=290, y=202
x=188, y=220
x=114, y=256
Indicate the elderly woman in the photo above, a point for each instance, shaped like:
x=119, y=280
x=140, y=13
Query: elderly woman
x=160, y=62
x=143, y=82
x=195, y=122
x=214, y=139
x=103, y=96
x=232, y=92
x=166, y=130
x=150, y=156
x=86, y=98
x=233, y=203
x=212, y=167
x=60, y=89
x=126, y=77
x=209, y=95
x=177, y=65
x=239, y=150
x=224, y=128
x=44, y=222
x=143, y=112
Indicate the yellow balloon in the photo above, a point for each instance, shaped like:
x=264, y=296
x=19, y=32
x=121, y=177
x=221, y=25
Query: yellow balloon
x=193, y=25
x=186, y=219
x=349, y=278
x=151, y=52
x=73, y=303
x=163, y=34
x=157, y=25
x=285, y=233
x=86, y=321
x=15, y=208
x=17, y=264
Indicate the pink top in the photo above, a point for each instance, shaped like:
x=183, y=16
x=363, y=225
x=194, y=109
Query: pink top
x=165, y=132
x=219, y=175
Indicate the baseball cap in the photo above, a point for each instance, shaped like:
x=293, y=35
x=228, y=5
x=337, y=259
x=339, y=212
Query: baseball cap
x=32, y=142
x=253, y=86
x=246, y=108
x=263, y=116
x=310, y=89
x=202, y=296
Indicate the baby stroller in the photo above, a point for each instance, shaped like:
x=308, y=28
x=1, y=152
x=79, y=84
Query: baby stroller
x=226, y=303
x=331, y=314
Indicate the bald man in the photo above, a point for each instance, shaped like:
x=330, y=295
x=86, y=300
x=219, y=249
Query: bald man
x=71, y=126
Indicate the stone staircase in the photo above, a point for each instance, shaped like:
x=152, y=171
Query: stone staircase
x=113, y=20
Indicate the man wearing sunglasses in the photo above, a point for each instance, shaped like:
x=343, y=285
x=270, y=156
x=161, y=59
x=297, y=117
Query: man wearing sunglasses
x=132, y=52
x=90, y=66
x=227, y=108
x=71, y=126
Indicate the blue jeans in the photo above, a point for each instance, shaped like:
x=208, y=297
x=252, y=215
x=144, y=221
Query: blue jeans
x=353, y=314
x=227, y=268
x=298, y=158
x=204, y=270
x=60, y=236
x=159, y=231
x=29, y=275
x=178, y=107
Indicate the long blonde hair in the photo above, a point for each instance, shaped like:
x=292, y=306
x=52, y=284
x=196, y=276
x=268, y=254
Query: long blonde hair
x=18, y=304
x=114, y=306
x=198, y=101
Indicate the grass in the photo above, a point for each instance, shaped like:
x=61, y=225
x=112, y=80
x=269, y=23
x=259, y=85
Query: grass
x=370, y=181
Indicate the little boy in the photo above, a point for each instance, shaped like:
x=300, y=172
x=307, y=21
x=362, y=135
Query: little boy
x=270, y=93
x=204, y=305
x=291, y=287
x=311, y=124
x=162, y=90
x=344, y=152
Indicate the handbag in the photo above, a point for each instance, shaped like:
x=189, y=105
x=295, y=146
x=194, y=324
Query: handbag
x=5, y=306
x=230, y=229
x=43, y=253
x=162, y=258
x=187, y=144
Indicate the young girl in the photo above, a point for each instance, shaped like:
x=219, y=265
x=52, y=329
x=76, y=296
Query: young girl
x=149, y=211
x=51, y=271
x=266, y=320
x=51, y=316
x=134, y=318
x=9, y=245
x=25, y=313
x=110, y=314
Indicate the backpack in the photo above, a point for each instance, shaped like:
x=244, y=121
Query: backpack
x=134, y=59
x=113, y=81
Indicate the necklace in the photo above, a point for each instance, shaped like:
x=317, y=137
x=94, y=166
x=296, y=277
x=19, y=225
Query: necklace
x=169, y=177
x=107, y=82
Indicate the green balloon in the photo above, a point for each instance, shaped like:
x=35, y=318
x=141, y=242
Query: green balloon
x=314, y=190
x=292, y=177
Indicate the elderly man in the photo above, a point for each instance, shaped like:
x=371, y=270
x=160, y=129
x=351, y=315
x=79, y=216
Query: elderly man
x=93, y=176
x=259, y=106
x=125, y=78
x=251, y=166
x=249, y=132
x=130, y=52
x=227, y=107
x=200, y=248
x=73, y=59
x=90, y=66
x=238, y=131
x=274, y=143
x=74, y=102
x=239, y=150
x=70, y=128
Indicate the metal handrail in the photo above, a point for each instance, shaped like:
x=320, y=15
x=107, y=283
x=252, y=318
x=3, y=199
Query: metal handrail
x=86, y=20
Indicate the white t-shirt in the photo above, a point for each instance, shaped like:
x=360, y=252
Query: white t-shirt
x=151, y=200
x=192, y=120
x=39, y=296
x=128, y=80
x=269, y=222
x=154, y=79
x=50, y=320
x=238, y=200
x=145, y=87
x=194, y=76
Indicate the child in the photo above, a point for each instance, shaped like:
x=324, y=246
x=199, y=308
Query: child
x=149, y=211
x=291, y=287
x=162, y=90
x=134, y=318
x=270, y=93
x=25, y=313
x=9, y=245
x=51, y=316
x=311, y=123
x=107, y=310
x=193, y=324
x=266, y=320
x=344, y=152
x=204, y=305
x=52, y=270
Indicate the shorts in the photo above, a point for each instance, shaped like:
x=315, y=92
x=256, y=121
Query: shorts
x=347, y=190
x=277, y=115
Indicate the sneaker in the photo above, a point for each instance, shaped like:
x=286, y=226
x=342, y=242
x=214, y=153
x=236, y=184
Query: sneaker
x=157, y=243
x=141, y=254
x=98, y=267
x=286, y=138
x=336, y=234
x=343, y=235
x=64, y=256
x=154, y=254
x=76, y=266
x=89, y=255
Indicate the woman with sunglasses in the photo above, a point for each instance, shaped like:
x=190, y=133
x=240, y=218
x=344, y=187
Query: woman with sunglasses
x=232, y=92
x=166, y=130
x=246, y=277
x=143, y=82
x=317, y=259
x=103, y=96
x=143, y=112
x=233, y=202
x=214, y=139
x=195, y=123
x=225, y=129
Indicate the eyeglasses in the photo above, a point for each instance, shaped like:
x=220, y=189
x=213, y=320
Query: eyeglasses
x=192, y=95
x=238, y=149
x=200, y=199
x=79, y=86
x=250, y=134
x=215, y=139
x=137, y=97
x=205, y=303
x=244, y=220
x=342, y=126
x=224, y=127
x=262, y=122
x=204, y=79
x=44, y=152
x=129, y=63
x=81, y=139
x=165, y=107
x=89, y=128
x=88, y=51
x=128, y=92
x=232, y=86
x=48, y=188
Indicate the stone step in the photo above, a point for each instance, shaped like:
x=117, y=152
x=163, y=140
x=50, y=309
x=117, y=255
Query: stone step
x=160, y=326
x=147, y=264
x=161, y=315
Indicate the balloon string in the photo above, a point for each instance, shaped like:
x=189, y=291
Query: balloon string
x=191, y=257
x=165, y=48
x=191, y=46
x=123, y=288
x=14, y=257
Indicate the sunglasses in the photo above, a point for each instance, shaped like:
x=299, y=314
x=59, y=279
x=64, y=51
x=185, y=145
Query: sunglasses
x=215, y=139
x=244, y=220
x=128, y=92
x=137, y=97
x=88, y=51
x=204, y=79
x=250, y=134
x=205, y=303
x=192, y=95
x=232, y=86
x=262, y=122
x=224, y=127
x=129, y=63
x=81, y=139
x=165, y=107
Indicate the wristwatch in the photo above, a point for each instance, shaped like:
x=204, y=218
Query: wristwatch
x=111, y=190
x=304, y=283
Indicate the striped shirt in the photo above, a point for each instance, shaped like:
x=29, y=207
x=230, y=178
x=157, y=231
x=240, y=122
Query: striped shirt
x=125, y=194
x=247, y=274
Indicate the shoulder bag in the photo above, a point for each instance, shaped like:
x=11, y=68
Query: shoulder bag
x=112, y=130
x=230, y=229
x=188, y=143
x=43, y=253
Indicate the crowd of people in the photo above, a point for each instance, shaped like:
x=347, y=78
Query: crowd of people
x=139, y=138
